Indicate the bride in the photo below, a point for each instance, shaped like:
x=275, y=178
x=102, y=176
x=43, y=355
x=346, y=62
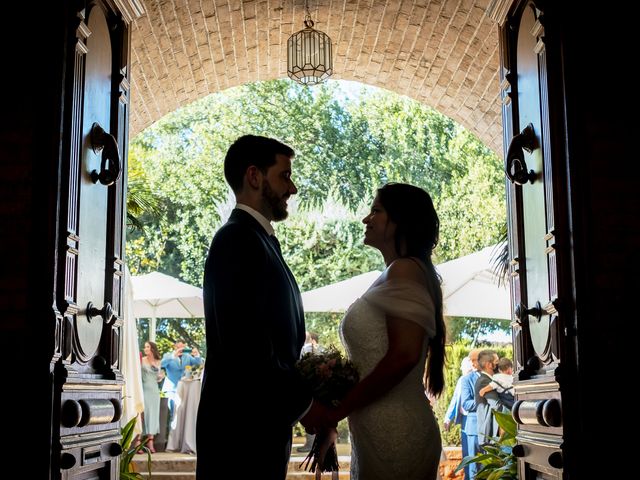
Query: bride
x=388, y=334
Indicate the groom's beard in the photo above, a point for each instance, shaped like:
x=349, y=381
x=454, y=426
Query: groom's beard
x=276, y=204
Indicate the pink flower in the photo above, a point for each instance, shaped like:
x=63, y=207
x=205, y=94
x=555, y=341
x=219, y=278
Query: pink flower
x=324, y=370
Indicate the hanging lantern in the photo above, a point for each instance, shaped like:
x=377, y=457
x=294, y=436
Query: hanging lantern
x=309, y=55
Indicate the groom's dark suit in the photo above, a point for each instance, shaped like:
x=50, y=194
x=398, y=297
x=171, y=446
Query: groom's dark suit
x=251, y=394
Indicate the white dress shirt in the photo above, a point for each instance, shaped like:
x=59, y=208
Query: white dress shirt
x=261, y=219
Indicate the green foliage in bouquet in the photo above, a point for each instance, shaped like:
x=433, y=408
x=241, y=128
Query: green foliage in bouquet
x=128, y=452
x=329, y=376
x=497, y=460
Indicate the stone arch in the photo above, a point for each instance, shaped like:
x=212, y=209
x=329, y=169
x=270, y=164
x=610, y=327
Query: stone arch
x=443, y=53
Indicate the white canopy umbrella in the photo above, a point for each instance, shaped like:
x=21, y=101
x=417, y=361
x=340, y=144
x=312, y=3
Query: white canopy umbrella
x=158, y=295
x=469, y=287
x=133, y=397
x=338, y=296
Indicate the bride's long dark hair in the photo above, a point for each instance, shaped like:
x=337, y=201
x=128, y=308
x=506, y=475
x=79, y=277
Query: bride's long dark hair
x=417, y=231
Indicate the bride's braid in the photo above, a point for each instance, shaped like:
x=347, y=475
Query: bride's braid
x=417, y=232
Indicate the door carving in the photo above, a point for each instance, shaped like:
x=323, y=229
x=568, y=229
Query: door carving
x=92, y=222
x=532, y=119
x=87, y=378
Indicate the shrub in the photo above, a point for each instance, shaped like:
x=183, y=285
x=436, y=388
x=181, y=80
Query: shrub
x=127, y=471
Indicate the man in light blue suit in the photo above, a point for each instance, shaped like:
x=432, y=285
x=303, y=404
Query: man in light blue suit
x=469, y=419
x=454, y=411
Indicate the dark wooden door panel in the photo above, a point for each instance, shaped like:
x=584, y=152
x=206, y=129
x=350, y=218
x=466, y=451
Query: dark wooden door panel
x=533, y=193
x=92, y=222
x=534, y=201
x=87, y=381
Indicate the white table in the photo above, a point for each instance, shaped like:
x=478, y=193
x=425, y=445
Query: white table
x=182, y=438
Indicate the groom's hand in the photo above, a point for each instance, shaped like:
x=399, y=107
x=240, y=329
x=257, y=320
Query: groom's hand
x=315, y=418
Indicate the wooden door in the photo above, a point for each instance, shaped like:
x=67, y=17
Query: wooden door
x=87, y=398
x=538, y=229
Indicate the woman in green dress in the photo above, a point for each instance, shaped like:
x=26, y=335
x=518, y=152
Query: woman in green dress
x=150, y=375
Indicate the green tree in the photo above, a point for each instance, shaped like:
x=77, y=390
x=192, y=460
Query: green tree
x=474, y=328
x=345, y=146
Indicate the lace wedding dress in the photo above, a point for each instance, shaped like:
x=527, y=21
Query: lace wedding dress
x=397, y=436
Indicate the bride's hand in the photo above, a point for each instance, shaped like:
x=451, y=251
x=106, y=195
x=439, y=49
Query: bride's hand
x=315, y=417
x=332, y=418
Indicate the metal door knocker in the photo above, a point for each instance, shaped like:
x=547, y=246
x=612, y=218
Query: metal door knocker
x=516, y=167
x=110, y=166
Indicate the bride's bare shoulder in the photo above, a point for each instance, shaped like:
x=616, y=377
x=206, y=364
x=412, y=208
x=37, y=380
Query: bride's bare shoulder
x=406, y=269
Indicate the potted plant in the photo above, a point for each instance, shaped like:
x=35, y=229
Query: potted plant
x=127, y=471
x=497, y=460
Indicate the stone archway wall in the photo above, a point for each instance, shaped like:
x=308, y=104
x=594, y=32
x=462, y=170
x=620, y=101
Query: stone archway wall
x=443, y=53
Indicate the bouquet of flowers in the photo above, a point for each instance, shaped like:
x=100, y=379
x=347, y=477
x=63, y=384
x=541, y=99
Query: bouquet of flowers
x=330, y=376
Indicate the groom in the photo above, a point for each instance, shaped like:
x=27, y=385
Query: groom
x=251, y=393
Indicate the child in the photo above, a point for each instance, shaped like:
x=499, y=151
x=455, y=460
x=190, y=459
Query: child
x=502, y=382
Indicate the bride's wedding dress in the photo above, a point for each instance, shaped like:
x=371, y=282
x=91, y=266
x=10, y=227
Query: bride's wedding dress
x=397, y=436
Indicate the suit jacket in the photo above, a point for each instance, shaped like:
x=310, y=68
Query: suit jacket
x=255, y=331
x=487, y=424
x=468, y=403
x=454, y=412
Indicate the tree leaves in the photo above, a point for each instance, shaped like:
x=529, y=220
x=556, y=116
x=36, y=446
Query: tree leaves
x=345, y=146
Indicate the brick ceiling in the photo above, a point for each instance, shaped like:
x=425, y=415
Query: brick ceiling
x=443, y=53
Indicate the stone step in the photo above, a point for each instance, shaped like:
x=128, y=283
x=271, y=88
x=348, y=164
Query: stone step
x=298, y=459
x=177, y=462
x=192, y=476
x=166, y=462
x=170, y=475
x=297, y=473
x=311, y=476
x=182, y=466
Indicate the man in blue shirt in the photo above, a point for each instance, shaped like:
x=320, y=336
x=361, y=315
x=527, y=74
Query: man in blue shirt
x=174, y=364
x=469, y=418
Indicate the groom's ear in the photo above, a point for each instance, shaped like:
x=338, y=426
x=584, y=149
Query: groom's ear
x=254, y=177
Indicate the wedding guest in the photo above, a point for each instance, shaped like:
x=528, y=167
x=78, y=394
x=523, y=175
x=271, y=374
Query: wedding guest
x=174, y=364
x=150, y=365
x=389, y=333
x=307, y=347
x=315, y=343
x=248, y=287
x=502, y=383
x=505, y=373
x=470, y=446
x=487, y=424
x=455, y=412
x=311, y=344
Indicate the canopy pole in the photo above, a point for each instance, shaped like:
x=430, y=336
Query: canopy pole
x=152, y=329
